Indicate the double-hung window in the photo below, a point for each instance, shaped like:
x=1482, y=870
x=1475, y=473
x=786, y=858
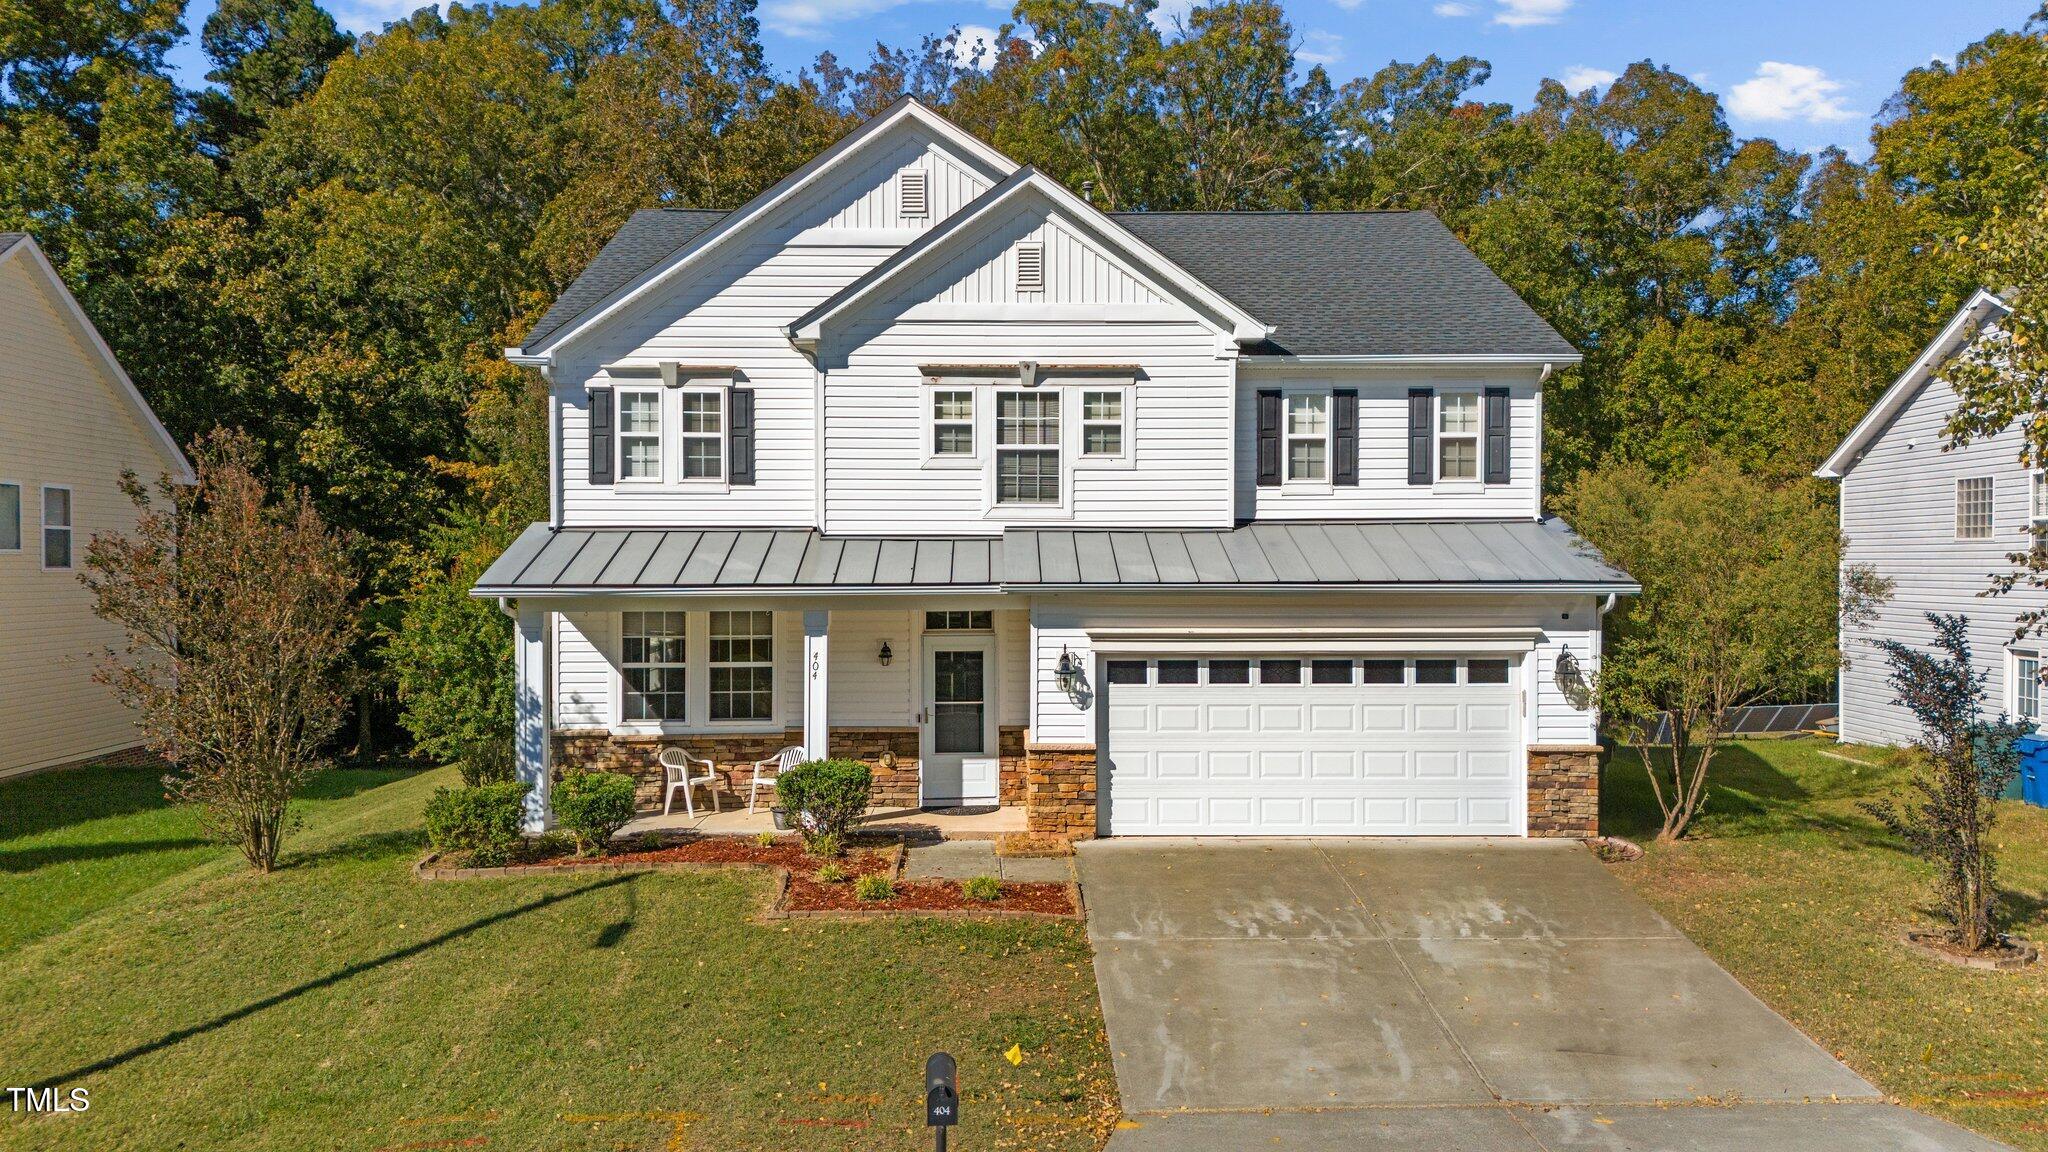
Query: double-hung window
x=953, y=422
x=652, y=664
x=742, y=665
x=56, y=527
x=2026, y=687
x=2037, y=499
x=1973, y=508
x=1457, y=436
x=1028, y=447
x=640, y=435
x=703, y=435
x=1102, y=422
x=10, y=516
x=1308, y=436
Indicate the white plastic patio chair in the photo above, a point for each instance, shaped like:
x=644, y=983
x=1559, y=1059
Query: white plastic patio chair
x=676, y=765
x=774, y=766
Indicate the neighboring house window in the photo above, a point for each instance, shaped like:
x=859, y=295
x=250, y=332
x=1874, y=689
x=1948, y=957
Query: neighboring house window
x=742, y=665
x=1102, y=423
x=1027, y=447
x=1308, y=436
x=1973, y=508
x=703, y=435
x=10, y=516
x=652, y=663
x=56, y=527
x=959, y=621
x=953, y=423
x=2037, y=499
x=1458, y=436
x=2026, y=686
x=640, y=435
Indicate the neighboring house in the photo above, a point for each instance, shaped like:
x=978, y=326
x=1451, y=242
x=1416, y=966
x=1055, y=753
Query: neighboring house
x=1939, y=523
x=1230, y=521
x=70, y=423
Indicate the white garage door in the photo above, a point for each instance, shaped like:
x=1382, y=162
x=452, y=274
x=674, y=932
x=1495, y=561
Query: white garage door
x=1414, y=746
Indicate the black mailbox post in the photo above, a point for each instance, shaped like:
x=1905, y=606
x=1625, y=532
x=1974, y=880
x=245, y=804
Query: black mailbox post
x=941, y=1096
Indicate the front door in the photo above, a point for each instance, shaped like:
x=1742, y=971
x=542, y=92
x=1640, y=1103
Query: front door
x=958, y=755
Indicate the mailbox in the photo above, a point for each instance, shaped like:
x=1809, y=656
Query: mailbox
x=941, y=1096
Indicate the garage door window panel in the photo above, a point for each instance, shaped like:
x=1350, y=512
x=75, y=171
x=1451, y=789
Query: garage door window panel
x=1279, y=671
x=1230, y=671
x=1384, y=671
x=1436, y=671
x=1330, y=672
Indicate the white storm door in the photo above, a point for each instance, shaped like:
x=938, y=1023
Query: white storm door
x=957, y=753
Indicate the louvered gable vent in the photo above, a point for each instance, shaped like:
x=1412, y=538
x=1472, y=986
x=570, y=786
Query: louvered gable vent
x=915, y=202
x=1030, y=267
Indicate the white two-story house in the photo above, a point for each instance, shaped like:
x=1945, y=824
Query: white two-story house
x=1939, y=523
x=1149, y=523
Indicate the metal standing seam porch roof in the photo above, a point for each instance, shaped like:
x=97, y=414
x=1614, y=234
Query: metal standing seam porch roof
x=1527, y=556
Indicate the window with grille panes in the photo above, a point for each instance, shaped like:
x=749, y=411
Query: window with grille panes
x=640, y=435
x=703, y=435
x=2026, y=686
x=1973, y=508
x=953, y=422
x=652, y=666
x=1028, y=447
x=1458, y=436
x=1102, y=422
x=958, y=621
x=1308, y=436
x=742, y=665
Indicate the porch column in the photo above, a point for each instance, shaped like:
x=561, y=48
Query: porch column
x=817, y=728
x=530, y=723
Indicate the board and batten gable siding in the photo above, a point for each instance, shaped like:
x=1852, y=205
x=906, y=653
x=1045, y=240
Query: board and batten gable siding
x=62, y=422
x=731, y=312
x=1898, y=515
x=1383, y=491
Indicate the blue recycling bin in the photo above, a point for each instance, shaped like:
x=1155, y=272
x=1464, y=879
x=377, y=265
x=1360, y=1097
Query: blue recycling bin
x=2033, y=782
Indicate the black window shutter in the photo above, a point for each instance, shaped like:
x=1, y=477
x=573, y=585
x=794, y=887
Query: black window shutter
x=1344, y=437
x=739, y=437
x=1269, y=439
x=602, y=421
x=1421, y=435
x=1496, y=435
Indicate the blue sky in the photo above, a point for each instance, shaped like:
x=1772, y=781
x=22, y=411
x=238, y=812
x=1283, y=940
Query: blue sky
x=1805, y=73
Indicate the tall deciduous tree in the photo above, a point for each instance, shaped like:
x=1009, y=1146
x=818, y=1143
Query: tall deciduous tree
x=236, y=607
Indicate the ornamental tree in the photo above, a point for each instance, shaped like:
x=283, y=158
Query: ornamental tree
x=1967, y=763
x=238, y=615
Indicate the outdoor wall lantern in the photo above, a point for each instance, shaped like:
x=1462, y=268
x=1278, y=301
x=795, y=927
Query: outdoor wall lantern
x=1067, y=673
x=885, y=655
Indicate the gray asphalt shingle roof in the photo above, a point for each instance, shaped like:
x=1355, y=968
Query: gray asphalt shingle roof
x=1511, y=554
x=1331, y=283
x=10, y=239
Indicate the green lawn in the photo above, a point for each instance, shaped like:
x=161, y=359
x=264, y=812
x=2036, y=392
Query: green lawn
x=1801, y=896
x=342, y=1004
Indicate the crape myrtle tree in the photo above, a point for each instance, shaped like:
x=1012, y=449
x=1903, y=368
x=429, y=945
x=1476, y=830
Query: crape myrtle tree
x=236, y=605
x=1966, y=763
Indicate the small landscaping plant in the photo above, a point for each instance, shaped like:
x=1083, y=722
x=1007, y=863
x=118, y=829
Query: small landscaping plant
x=482, y=821
x=873, y=886
x=984, y=888
x=830, y=873
x=1967, y=763
x=650, y=841
x=764, y=839
x=827, y=795
x=593, y=806
x=826, y=846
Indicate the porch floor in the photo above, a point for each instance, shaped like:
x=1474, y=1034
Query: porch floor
x=977, y=824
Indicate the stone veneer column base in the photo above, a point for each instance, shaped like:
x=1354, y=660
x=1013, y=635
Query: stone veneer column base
x=1059, y=790
x=1564, y=790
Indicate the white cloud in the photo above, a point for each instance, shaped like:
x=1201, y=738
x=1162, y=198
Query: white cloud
x=1325, y=48
x=373, y=15
x=963, y=45
x=1578, y=78
x=1523, y=13
x=1782, y=91
x=812, y=19
x=1348, y=5
x=1451, y=8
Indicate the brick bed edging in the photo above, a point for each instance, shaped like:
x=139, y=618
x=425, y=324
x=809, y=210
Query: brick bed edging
x=425, y=870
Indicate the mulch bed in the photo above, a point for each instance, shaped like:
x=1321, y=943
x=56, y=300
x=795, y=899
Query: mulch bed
x=786, y=852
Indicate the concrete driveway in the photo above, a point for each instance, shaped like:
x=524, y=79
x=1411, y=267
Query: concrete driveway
x=1472, y=995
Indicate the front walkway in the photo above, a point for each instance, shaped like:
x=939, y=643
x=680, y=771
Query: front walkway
x=915, y=823
x=1502, y=996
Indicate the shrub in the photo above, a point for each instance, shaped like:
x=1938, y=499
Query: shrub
x=873, y=886
x=830, y=873
x=482, y=821
x=827, y=795
x=982, y=888
x=650, y=841
x=593, y=806
x=826, y=845
x=452, y=654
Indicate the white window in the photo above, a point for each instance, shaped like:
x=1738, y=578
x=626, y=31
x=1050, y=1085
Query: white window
x=742, y=666
x=1102, y=422
x=911, y=198
x=703, y=435
x=2026, y=687
x=652, y=663
x=1308, y=436
x=1457, y=440
x=2037, y=498
x=1973, y=508
x=56, y=527
x=1028, y=447
x=1030, y=267
x=640, y=435
x=10, y=516
x=953, y=422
